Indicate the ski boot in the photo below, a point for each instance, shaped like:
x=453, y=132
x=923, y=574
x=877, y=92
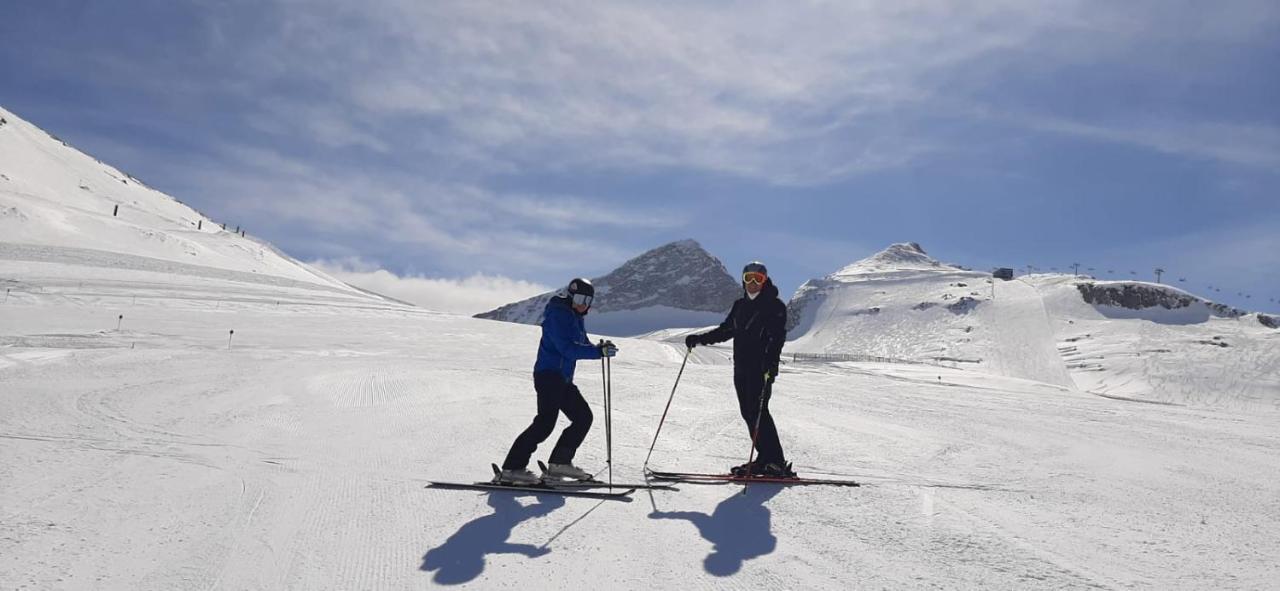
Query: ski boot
x=771, y=470
x=568, y=471
x=520, y=477
x=741, y=469
x=775, y=470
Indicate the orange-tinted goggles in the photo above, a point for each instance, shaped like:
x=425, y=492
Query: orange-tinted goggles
x=754, y=277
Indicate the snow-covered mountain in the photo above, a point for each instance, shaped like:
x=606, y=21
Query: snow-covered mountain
x=903, y=304
x=63, y=209
x=675, y=285
x=1123, y=339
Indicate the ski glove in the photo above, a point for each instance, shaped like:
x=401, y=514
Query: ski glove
x=607, y=349
x=770, y=375
x=693, y=340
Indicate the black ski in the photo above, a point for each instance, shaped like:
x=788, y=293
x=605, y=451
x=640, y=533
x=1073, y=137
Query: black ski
x=541, y=487
x=620, y=495
x=589, y=484
x=600, y=483
x=708, y=478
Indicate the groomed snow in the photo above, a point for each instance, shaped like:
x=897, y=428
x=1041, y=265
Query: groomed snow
x=154, y=457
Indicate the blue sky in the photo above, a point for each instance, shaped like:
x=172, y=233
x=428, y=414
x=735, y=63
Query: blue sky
x=501, y=147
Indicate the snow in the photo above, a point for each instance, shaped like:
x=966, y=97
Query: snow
x=1180, y=349
x=54, y=196
x=170, y=453
x=157, y=458
x=927, y=313
x=1184, y=356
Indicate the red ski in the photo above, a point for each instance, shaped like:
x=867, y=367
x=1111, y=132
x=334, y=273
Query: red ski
x=702, y=477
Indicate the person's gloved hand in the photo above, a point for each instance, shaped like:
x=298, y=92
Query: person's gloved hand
x=607, y=349
x=693, y=340
x=770, y=374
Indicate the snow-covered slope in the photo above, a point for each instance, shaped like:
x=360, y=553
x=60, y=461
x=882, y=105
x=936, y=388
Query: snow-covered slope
x=675, y=285
x=1130, y=340
x=1157, y=343
x=60, y=206
x=902, y=304
x=155, y=457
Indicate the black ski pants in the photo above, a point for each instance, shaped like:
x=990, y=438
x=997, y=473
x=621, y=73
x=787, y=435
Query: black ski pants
x=555, y=395
x=750, y=386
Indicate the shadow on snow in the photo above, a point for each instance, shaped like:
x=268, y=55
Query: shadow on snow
x=461, y=558
x=739, y=529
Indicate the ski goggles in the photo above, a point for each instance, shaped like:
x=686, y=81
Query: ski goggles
x=755, y=277
x=580, y=299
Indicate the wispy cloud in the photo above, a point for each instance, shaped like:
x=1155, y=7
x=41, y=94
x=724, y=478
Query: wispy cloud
x=794, y=93
x=469, y=295
x=1245, y=145
x=449, y=227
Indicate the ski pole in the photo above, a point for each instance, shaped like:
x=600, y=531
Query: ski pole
x=606, y=375
x=664, y=411
x=608, y=417
x=756, y=433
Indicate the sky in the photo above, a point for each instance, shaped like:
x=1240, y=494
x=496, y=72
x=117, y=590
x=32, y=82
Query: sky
x=464, y=154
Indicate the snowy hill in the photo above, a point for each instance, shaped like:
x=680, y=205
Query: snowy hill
x=1130, y=340
x=675, y=285
x=60, y=207
x=1157, y=343
x=903, y=304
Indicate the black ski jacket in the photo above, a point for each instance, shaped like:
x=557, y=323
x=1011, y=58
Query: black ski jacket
x=758, y=328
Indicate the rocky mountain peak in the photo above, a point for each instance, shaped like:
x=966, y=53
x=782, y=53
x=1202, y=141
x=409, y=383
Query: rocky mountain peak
x=900, y=256
x=679, y=275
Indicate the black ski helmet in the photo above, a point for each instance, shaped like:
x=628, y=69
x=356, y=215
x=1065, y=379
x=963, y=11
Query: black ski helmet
x=755, y=267
x=581, y=286
x=580, y=292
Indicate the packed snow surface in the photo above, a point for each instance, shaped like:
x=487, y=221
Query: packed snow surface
x=156, y=456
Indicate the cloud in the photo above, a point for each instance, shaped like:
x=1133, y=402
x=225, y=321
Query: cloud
x=454, y=227
x=469, y=295
x=790, y=94
x=1251, y=145
x=794, y=93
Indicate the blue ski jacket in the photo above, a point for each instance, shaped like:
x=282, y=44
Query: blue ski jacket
x=564, y=340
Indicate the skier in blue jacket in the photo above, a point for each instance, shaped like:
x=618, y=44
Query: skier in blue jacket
x=564, y=341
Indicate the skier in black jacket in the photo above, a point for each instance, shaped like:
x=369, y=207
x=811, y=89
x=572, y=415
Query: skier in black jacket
x=757, y=324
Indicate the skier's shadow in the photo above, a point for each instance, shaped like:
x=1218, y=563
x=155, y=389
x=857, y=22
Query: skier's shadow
x=738, y=529
x=461, y=558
